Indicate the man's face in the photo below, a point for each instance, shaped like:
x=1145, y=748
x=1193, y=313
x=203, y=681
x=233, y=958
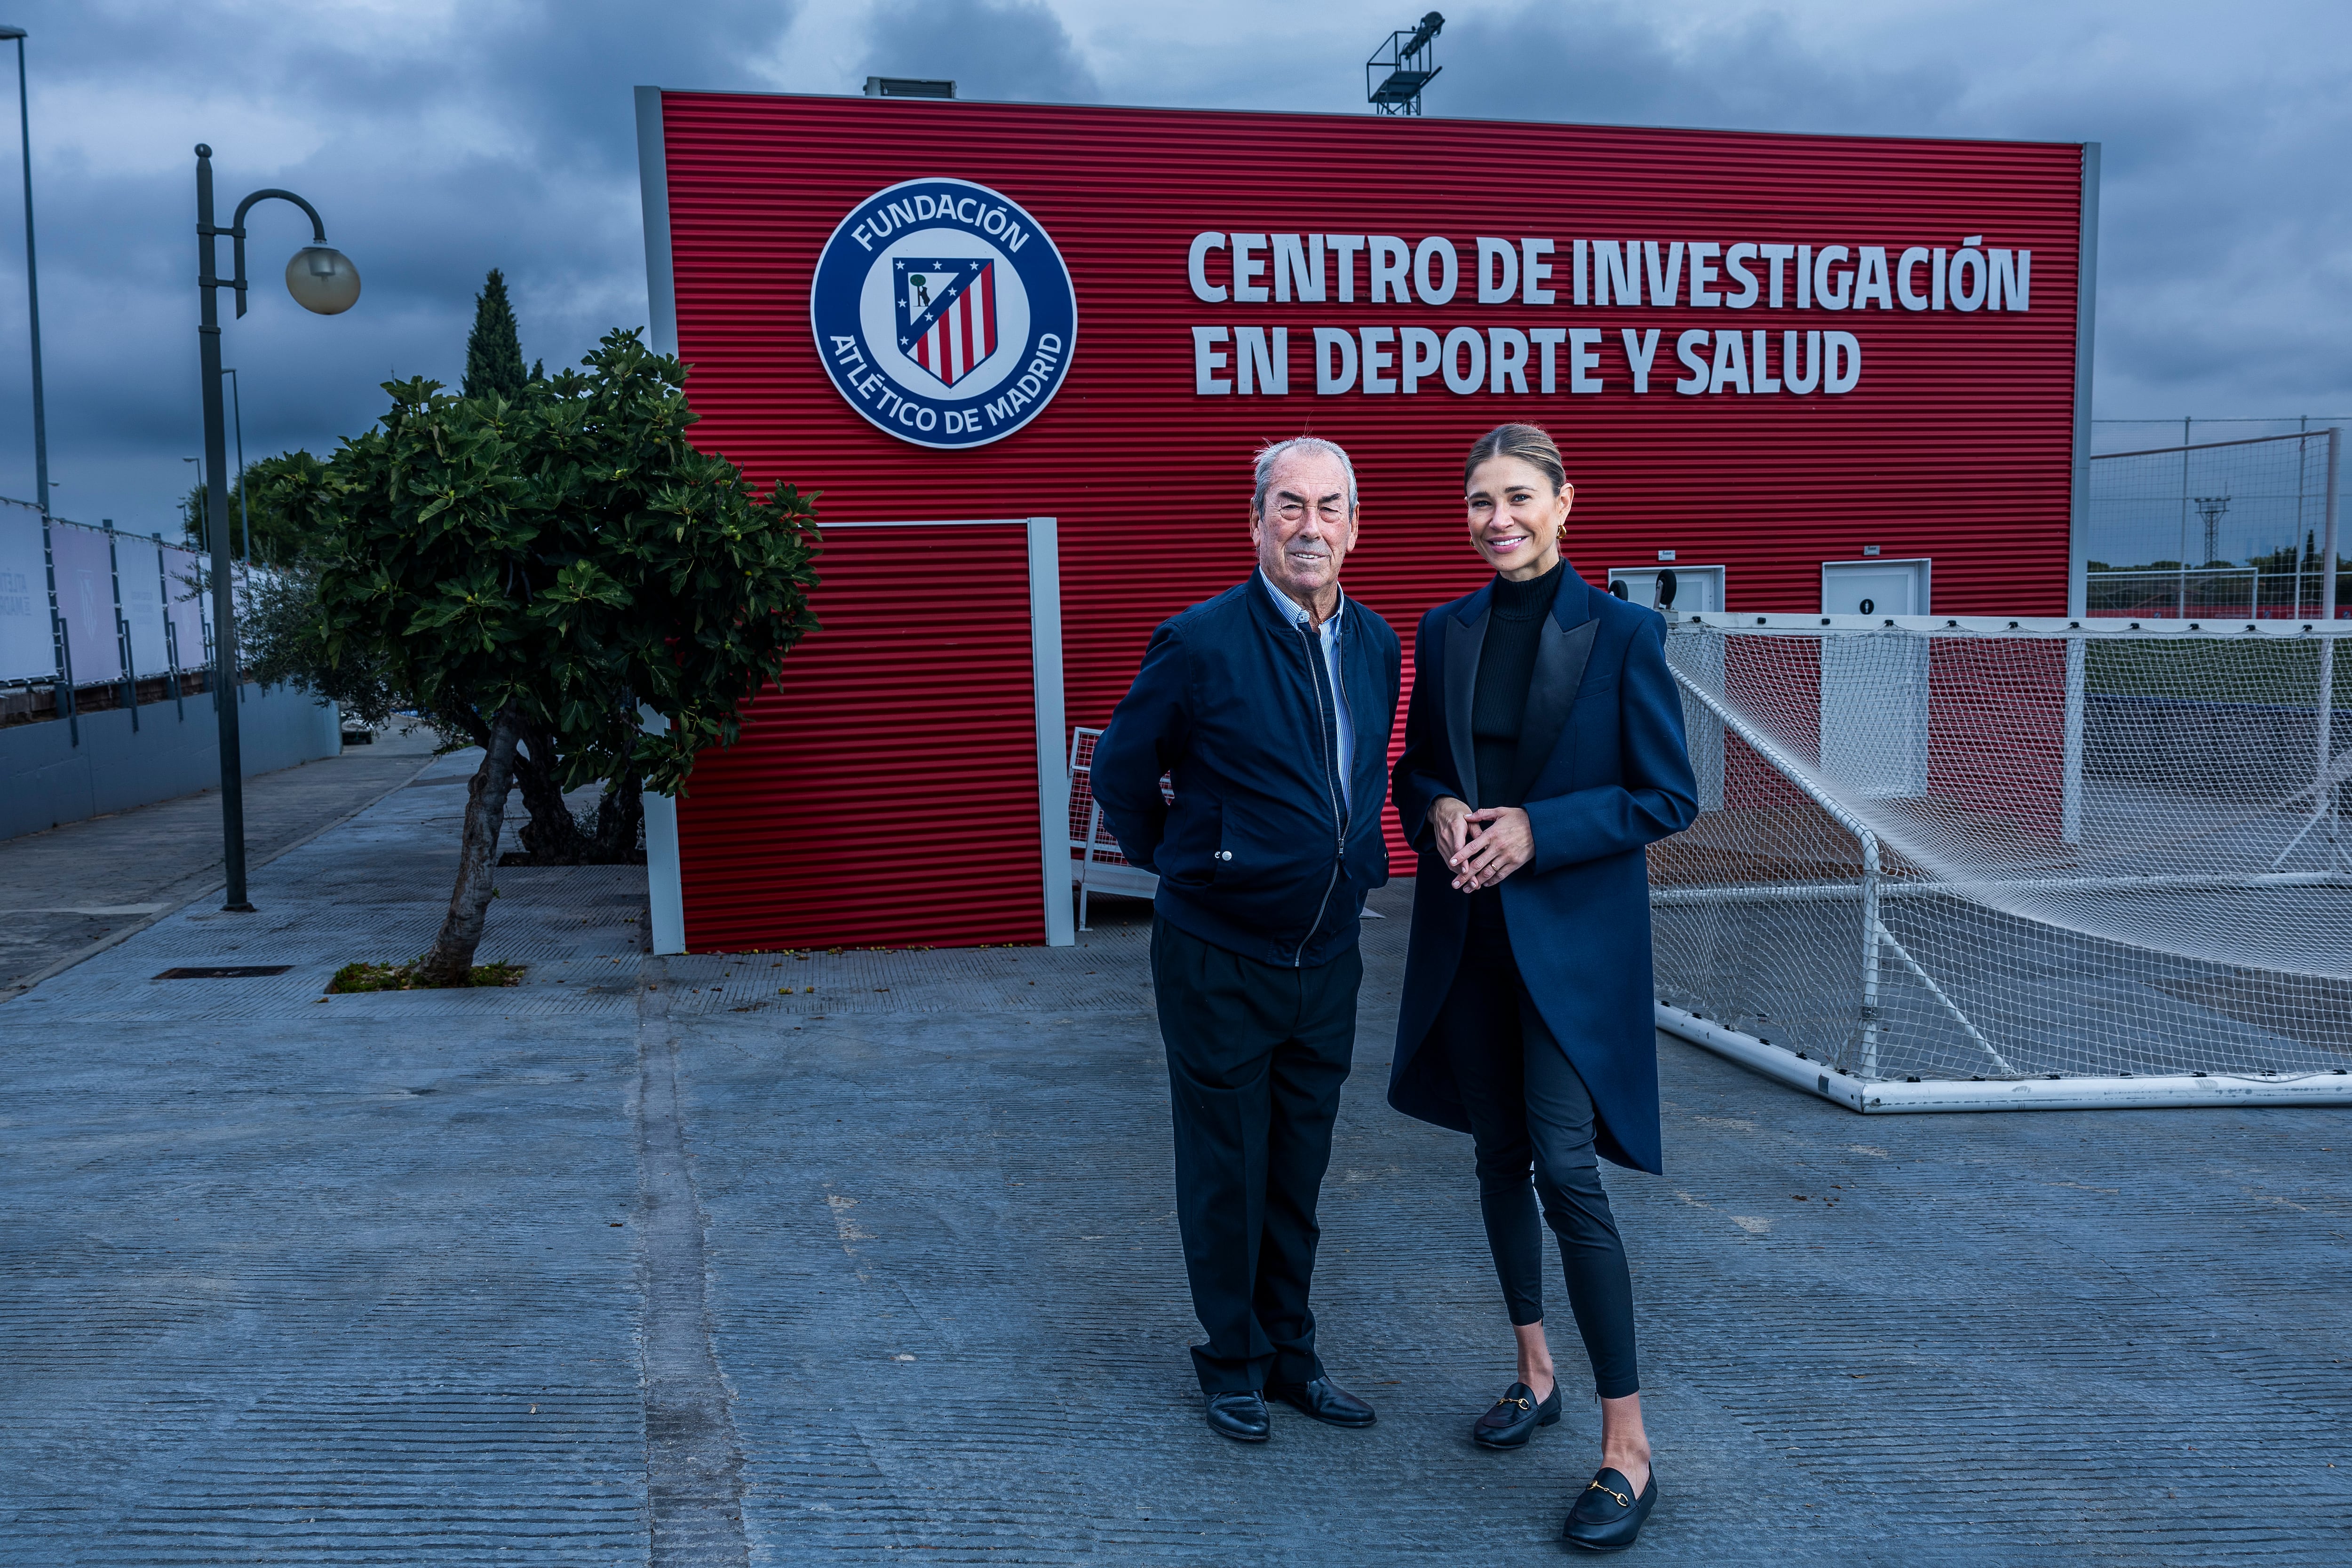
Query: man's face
x=1307, y=526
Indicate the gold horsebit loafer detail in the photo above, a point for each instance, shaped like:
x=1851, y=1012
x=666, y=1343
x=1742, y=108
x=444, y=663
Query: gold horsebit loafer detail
x=1513, y=1418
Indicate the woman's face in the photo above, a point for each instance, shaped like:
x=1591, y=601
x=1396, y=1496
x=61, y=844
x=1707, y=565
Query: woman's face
x=1515, y=516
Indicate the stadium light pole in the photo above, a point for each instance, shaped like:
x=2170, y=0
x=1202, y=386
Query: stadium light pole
x=322, y=280
x=1400, y=69
x=2211, y=509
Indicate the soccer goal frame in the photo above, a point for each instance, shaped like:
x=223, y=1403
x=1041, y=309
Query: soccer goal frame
x=1847, y=910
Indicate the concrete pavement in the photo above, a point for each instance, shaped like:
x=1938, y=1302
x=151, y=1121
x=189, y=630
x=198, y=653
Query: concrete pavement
x=856, y=1258
x=69, y=890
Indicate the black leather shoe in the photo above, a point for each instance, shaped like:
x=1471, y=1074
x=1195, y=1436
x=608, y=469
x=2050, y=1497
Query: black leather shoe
x=1325, y=1400
x=1515, y=1417
x=1241, y=1416
x=1608, y=1516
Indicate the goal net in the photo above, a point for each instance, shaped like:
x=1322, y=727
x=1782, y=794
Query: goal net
x=1998, y=852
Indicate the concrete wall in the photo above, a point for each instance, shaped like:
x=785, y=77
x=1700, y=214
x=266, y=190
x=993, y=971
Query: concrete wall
x=45, y=780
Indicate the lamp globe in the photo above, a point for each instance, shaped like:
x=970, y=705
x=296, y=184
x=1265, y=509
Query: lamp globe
x=322, y=279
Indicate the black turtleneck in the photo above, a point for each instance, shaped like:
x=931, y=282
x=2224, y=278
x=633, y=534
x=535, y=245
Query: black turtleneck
x=1507, y=664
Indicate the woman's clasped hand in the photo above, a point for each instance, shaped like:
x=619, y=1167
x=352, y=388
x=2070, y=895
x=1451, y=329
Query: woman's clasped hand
x=1481, y=847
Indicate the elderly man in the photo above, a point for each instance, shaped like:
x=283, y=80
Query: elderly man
x=1271, y=706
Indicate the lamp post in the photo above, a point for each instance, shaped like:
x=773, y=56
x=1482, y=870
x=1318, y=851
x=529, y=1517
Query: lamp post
x=322, y=280
x=32, y=280
x=63, y=689
x=244, y=502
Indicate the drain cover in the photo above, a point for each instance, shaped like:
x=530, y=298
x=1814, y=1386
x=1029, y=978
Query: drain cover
x=225, y=971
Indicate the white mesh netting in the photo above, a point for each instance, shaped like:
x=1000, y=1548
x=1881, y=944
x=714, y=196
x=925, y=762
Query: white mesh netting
x=1962, y=854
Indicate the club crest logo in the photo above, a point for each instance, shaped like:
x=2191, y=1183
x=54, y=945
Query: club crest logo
x=943, y=313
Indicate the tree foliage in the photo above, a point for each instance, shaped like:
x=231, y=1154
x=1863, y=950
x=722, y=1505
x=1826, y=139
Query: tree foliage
x=530, y=570
x=279, y=639
x=494, y=348
x=255, y=501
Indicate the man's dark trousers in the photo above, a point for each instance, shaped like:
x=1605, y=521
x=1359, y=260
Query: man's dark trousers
x=1256, y=1053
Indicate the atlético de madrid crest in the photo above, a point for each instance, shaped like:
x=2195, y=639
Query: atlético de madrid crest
x=943, y=313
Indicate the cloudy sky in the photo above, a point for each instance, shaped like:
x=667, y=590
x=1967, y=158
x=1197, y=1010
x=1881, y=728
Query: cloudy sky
x=440, y=138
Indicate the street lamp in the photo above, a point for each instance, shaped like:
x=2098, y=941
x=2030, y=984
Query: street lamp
x=322, y=280
x=32, y=279
x=41, y=413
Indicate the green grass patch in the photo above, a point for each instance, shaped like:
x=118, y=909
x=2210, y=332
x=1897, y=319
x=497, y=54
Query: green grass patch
x=355, y=978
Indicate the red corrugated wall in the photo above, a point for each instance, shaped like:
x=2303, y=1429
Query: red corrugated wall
x=888, y=793
x=1955, y=445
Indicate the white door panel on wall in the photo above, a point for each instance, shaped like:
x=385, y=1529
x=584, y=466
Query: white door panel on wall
x=1695, y=587
x=1875, y=689
x=1874, y=588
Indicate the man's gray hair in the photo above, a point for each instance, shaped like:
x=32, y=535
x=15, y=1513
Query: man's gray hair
x=1269, y=457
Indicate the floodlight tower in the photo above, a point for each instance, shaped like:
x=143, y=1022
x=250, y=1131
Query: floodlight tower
x=1401, y=67
x=2211, y=508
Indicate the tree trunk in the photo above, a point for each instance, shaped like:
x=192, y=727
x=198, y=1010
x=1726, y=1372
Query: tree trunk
x=553, y=836
x=620, y=816
x=451, y=961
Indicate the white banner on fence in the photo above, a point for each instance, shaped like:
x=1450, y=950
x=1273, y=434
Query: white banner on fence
x=27, y=651
x=86, y=602
x=190, y=612
x=142, y=601
x=137, y=567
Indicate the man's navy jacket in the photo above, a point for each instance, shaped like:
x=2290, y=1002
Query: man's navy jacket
x=1261, y=854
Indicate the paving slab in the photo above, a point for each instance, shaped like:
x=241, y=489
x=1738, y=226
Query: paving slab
x=870, y=1256
x=948, y=1288
x=294, y=1279
x=69, y=890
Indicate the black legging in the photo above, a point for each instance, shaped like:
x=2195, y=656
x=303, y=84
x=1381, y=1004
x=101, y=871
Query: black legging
x=1529, y=1111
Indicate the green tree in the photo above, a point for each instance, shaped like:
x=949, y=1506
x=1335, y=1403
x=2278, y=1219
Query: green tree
x=531, y=571
x=494, y=348
x=278, y=640
x=276, y=540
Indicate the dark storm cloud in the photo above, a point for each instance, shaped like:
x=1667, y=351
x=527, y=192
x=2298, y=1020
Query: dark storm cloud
x=2220, y=254
x=441, y=140
x=435, y=146
x=1618, y=67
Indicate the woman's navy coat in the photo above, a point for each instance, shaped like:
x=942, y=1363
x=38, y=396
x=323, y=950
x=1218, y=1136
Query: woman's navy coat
x=1603, y=735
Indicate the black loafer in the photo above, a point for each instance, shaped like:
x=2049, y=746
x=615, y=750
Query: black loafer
x=1241, y=1416
x=1325, y=1400
x=1515, y=1417
x=1608, y=1516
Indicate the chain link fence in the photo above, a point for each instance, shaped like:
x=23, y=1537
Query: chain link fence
x=2232, y=520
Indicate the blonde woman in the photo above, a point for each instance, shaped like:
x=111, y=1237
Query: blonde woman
x=1543, y=750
